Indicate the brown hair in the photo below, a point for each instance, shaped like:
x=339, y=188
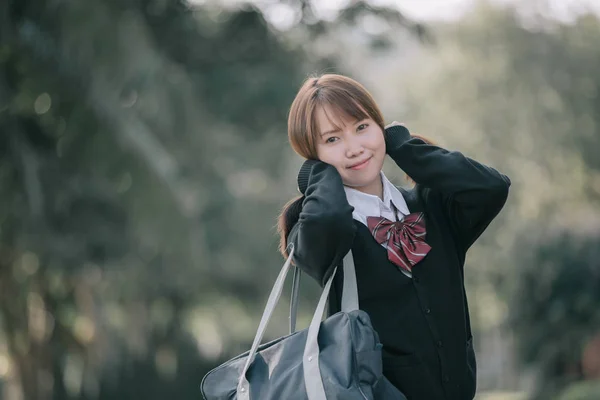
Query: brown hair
x=347, y=97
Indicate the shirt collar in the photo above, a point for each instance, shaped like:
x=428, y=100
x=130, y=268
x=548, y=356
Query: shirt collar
x=391, y=194
x=369, y=205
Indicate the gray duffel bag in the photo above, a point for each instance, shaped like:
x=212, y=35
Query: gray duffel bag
x=335, y=359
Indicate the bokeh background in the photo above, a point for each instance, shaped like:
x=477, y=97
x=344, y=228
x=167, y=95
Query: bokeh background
x=144, y=160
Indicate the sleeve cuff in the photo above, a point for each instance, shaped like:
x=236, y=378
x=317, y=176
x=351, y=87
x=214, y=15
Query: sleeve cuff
x=395, y=136
x=304, y=174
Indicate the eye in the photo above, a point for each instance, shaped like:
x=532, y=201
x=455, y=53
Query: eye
x=331, y=139
x=362, y=127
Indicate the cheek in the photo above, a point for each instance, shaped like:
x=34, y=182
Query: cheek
x=377, y=142
x=331, y=155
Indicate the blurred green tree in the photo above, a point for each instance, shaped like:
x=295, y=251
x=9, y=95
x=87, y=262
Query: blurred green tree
x=581, y=391
x=555, y=307
x=141, y=146
x=520, y=92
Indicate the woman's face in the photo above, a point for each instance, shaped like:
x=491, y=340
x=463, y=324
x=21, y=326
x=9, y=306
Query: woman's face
x=356, y=150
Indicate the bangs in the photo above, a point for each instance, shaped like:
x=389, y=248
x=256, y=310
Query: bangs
x=341, y=104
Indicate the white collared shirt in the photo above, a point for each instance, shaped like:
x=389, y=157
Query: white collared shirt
x=393, y=206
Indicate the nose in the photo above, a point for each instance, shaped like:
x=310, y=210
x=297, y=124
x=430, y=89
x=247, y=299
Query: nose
x=354, y=148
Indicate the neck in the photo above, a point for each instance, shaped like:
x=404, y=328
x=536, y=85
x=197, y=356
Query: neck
x=374, y=188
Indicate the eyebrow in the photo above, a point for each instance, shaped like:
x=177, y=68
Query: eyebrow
x=336, y=130
x=330, y=132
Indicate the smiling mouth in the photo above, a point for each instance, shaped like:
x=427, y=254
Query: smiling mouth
x=361, y=165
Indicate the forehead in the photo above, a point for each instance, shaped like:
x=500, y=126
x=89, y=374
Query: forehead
x=329, y=117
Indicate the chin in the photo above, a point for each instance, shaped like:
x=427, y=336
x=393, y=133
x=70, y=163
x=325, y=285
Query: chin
x=362, y=181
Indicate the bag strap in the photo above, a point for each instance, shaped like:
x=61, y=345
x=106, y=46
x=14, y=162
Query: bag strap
x=350, y=287
x=312, y=375
x=313, y=381
x=294, y=300
x=349, y=290
x=243, y=388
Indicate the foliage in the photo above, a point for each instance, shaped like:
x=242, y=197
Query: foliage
x=554, y=308
x=520, y=93
x=140, y=159
x=581, y=391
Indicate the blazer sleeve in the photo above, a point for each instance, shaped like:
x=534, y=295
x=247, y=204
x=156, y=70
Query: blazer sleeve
x=325, y=229
x=472, y=193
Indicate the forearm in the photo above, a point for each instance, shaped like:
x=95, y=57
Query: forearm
x=325, y=228
x=471, y=193
x=448, y=172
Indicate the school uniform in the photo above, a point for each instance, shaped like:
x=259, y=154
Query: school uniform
x=421, y=316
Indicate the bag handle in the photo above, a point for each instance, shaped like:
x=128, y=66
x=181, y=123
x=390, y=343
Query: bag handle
x=313, y=381
x=243, y=385
x=310, y=360
x=349, y=290
x=294, y=299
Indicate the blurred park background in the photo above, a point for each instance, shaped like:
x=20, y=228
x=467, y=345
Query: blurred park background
x=144, y=160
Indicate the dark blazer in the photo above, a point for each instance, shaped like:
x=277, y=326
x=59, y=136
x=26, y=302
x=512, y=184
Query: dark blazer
x=423, y=321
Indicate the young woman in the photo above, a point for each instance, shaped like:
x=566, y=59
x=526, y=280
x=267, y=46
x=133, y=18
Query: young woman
x=409, y=246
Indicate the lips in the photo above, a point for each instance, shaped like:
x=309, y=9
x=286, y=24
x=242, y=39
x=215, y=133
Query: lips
x=360, y=164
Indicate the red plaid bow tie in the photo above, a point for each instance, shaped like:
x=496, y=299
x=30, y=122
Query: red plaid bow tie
x=405, y=243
